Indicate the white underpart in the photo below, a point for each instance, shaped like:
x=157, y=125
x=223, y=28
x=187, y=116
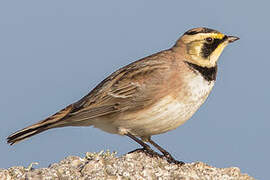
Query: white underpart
x=167, y=114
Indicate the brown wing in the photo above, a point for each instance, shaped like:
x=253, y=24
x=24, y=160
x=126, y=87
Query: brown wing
x=130, y=88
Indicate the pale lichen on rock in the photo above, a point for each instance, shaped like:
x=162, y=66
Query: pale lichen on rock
x=136, y=165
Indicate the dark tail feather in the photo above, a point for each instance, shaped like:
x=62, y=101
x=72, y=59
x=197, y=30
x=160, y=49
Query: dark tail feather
x=51, y=122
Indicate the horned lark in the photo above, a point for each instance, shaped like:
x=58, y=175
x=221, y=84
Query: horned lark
x=150, y=96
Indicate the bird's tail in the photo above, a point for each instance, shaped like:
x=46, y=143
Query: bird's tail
x=51, y=122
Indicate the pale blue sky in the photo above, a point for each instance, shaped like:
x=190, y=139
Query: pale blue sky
x=54, y=52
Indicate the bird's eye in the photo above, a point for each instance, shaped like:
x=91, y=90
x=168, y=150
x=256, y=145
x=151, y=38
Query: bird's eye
x=209, y=40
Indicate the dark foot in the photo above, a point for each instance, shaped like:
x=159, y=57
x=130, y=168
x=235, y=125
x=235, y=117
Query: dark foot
x=171, y=160
x=167, y=155
x=137, y=150
x=152, y=153
x=148, y=152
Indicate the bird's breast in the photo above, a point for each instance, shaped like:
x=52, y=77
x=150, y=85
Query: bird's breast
x=170, y=111
x=166, y=114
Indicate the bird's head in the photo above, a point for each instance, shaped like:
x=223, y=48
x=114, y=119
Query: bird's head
x=203, y=46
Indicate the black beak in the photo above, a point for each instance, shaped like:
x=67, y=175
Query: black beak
x=232, y=39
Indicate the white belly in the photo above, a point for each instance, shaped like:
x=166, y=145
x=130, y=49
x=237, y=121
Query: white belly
x=167, y=114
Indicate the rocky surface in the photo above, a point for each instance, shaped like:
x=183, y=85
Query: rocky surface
x=136, y=165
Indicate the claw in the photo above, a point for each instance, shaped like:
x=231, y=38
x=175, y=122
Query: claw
x=172, y=160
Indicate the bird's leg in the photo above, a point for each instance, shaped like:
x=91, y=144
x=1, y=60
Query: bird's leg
x=146, y=148
x=167, y=155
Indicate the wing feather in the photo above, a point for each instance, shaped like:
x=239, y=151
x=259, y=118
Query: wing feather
x=129, y=88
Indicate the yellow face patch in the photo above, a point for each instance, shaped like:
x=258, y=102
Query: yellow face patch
x=206, y=53
x=216, y=53
x=221, y=46
x=217, y=35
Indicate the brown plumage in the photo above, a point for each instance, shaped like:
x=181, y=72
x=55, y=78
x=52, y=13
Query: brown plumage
x=50, y=122
x=150, y=96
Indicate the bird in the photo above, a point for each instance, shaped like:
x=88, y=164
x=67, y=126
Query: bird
x=150, y=96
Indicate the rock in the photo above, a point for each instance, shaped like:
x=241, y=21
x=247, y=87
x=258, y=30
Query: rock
x=136, y=165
